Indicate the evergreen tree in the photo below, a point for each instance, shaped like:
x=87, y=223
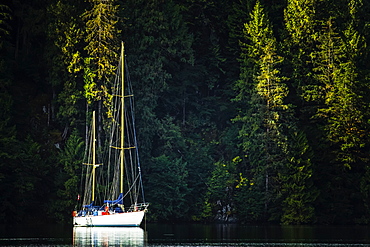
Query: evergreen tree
x=204, y=111
x=297, y=188
x=264, y=109
x=65, y=35
x=68, y=182
x=347, y=121
x=159, y=54
x=102, y=46
x=158, y=48
x=100, y=63
x=167, y=189
x=298, y=192
x=300, y=25
x=221, y=191
x=4, y=21
x=342, y=109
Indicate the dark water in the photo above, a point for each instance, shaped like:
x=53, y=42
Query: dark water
x=185, y=235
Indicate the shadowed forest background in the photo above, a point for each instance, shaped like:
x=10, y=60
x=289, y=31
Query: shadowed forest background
x=247, y=111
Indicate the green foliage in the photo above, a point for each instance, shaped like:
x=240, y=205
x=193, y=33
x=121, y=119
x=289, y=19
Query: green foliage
x=298, y=191
x=24, y=183
x=102, y=45
x=222, y=183
x=66, y=63
x=70, y=157
x=267, y=115
x=221, y=192
x=343, y=108
x=90, y=86
x=278, y=168
x=250, y=200
x=300, y=20
x=4, y=19
x=300, y=24
x=158, y=45
x=167, y=188
x=299, y=70
x=173, y=114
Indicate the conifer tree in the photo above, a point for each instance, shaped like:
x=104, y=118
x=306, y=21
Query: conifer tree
x=158, y=46
x=65, y=37
x=102, y=46
x=342, y=107
x=300, y=25
x=262, y=92
x=102, y=58
x=159, y=54
x=71, y=158
x=297, y=185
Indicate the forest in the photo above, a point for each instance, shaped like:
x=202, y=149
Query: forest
x=248, y=111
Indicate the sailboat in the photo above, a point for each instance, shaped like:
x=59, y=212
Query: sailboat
x=123, y=167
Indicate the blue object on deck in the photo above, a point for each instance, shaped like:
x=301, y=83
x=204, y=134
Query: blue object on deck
x=118, y=201
x=89, y=206
x=118, y=210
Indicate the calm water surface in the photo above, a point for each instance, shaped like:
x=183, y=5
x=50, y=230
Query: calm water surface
x=185, y=235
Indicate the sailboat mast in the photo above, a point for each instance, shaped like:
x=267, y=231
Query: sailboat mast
x=93, y=159
x=122, y=115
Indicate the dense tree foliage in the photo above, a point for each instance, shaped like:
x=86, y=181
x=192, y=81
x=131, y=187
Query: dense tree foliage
x=248, y=111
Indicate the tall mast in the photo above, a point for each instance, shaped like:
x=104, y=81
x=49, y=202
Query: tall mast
x=122, y=115
x=93, y=159
x=93, y=164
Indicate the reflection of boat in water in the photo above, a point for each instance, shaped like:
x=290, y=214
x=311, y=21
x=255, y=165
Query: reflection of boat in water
x=108, y=236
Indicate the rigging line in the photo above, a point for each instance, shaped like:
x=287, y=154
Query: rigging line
x=129, y=140
x=114, y=186
x=84, y=172
x=88, y=177
x=108, y=154
x=132, y=104
x=129, y=190
x=109, y=189
x=137, y=148
x=114, y=156
x=130, y=129
x=132, y=178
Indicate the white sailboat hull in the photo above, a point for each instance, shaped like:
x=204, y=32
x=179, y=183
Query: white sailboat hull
x=116, y=219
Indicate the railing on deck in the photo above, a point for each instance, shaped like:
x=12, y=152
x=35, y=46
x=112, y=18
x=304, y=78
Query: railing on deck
x=138, y=207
